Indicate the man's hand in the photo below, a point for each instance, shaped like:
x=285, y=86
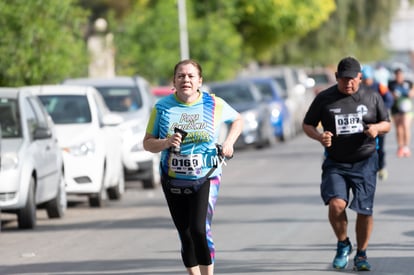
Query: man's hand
x=326, y=139
x=371, y=130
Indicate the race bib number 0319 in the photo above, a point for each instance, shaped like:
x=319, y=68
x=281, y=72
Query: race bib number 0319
x=348, y=124
x=186, y=164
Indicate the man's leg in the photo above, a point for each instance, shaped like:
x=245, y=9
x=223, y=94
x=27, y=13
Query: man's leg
x=364, y=226
x=338, y=218
x=339, y=223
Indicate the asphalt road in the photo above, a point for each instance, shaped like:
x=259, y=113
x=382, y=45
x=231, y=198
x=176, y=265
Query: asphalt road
x=269, y=220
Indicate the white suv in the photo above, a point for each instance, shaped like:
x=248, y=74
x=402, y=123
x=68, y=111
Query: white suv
x=89, y=138
x=130, y=97
x=31, y=171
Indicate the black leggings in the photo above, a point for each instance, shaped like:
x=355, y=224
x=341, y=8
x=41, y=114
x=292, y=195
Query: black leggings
x=189, y=216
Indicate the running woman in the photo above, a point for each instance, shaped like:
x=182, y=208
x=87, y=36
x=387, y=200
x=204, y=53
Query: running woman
x=402, y=111
x=352, y=118
x=198, y=116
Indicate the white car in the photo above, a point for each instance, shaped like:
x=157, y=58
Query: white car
x=131, y=98
x=89, y=138
x=31, y=170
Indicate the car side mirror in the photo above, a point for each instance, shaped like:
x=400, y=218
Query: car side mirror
x=42, y=133
x=112, y=120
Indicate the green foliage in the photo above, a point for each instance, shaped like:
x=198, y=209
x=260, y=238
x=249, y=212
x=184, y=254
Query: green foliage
x=223, y=35
x=41, y=41
x=148, y=43
x=267, y=24
x=356, y=28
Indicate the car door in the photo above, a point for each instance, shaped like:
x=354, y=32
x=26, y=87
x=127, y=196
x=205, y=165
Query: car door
x=113, y=143
x=46, y=143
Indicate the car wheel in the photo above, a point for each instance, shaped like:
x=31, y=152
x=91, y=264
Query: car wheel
x=56, y=207
x=27, y=216
x=288, y=131
x=153, y=179
x=267, y=137
x=115, y=192
x=97, y=199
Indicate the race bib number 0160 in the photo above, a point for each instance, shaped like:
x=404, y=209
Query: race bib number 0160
x=348, y=124
x=186, y=164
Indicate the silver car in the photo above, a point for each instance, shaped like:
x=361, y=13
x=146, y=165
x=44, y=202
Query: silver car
x=31, y=171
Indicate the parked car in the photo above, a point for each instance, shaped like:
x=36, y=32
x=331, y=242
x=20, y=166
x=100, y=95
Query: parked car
x=31, y=170
x=272, y=92
x=161, y=91
x=323, y=77
x=89, y=138
x=136, y=92
x=295, y=83
x=246, y=98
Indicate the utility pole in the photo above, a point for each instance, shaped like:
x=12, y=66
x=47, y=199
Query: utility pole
x=182, y=20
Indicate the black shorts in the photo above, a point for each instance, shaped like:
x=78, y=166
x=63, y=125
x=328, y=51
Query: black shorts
x=360, y=177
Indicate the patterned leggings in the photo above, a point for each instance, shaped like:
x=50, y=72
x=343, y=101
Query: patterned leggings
x=192, y=216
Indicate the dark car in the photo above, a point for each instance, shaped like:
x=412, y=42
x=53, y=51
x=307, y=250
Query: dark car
x=281, y=119
x=296, y=85
x=246, y=98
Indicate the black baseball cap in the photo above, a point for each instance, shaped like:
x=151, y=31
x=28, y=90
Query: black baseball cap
x=348, y=67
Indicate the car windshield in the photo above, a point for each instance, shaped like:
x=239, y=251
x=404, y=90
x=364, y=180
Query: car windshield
x=9, y=118
x=233, y=94
x=266, y=90
x=320, y=78
x=121, y=99
x=282, y=82
x=67, y=109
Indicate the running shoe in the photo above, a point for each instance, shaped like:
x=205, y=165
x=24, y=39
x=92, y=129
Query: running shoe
x=342, y=254
x=361, y=263
x=383, y=174
x=406, y=152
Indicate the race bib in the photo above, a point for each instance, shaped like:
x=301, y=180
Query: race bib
x=189, y=165
x=348, y=124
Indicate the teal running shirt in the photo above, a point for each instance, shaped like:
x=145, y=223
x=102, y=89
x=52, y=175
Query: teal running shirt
x=202, y=120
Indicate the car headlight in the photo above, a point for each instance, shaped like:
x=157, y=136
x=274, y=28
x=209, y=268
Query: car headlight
x=9, y=161
x=82, y=149
x=250, y=119
x=276, y=110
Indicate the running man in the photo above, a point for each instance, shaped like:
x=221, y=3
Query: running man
x=352, y=118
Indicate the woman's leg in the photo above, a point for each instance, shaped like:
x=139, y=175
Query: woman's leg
x=214, y=190
x=199, y=204
x=179, y=206
x=213, y=195
x=406, y=122
x=399, y=130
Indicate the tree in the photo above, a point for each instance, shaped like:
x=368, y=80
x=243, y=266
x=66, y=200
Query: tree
x=223, y=35
x=148, y=42
x=355, y=28
x=42, y=41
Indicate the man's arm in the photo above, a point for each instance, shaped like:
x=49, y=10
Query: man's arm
x=325, y=138
x=379, y=128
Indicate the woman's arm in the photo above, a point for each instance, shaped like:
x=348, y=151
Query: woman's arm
x=234, y=132
x=156, y=145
